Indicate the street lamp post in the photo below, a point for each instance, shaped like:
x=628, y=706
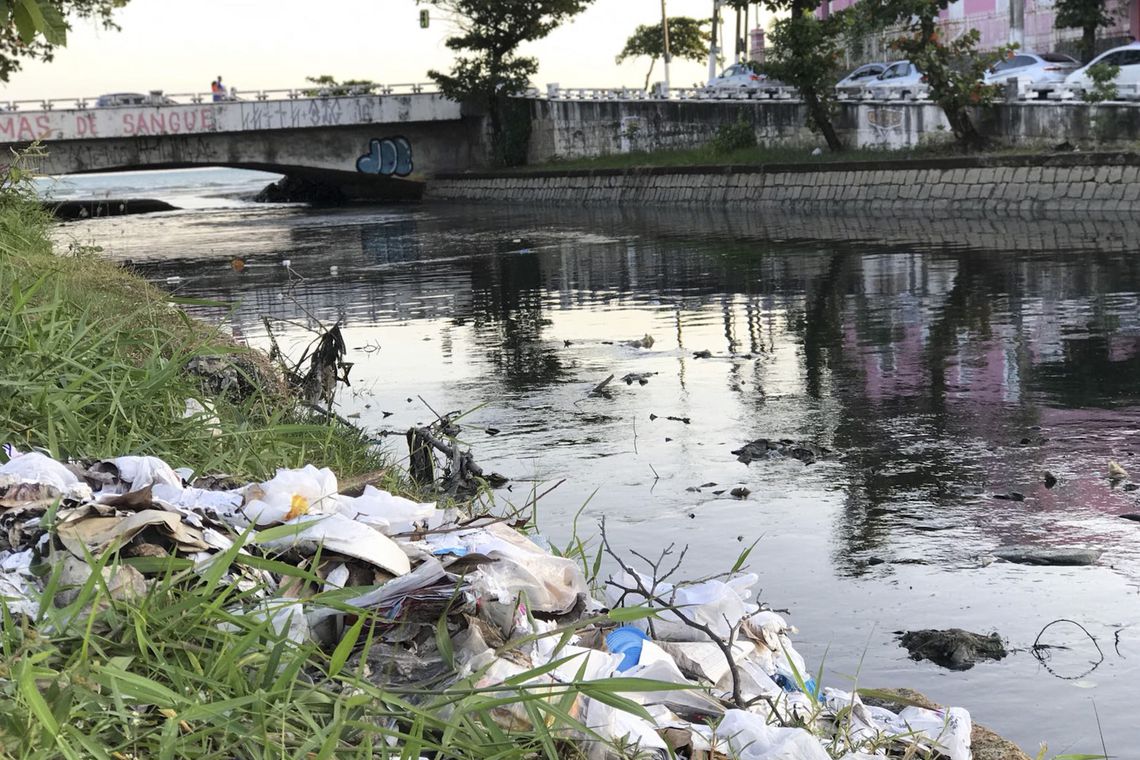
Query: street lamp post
x=665, y=37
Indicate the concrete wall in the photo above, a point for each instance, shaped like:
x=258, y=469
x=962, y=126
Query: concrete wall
x=570, y=129
x=1060, y=182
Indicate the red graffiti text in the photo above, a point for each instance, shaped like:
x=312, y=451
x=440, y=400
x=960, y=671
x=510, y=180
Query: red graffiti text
x=154, y=122
x=18, y=128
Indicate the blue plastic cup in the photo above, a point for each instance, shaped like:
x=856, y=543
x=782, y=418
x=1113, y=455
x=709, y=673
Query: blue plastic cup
x=626, y=641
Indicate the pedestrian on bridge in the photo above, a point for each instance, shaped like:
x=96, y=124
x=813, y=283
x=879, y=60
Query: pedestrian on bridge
x=218, y=89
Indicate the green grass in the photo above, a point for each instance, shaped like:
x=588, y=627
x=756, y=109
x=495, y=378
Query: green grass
x=94, y=362
x=194, y=668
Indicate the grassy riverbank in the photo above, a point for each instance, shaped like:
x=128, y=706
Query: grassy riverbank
x=94, y=361
x=94, y=365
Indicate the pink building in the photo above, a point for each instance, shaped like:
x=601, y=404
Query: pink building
x=996, y=20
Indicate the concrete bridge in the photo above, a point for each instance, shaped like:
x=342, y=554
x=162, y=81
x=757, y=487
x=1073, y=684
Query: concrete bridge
x=366, y=145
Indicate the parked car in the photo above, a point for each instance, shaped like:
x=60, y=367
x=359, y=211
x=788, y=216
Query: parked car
x=899, y=79
x=1039, y=71
x=116, y=99
x=857, y=80
x=740, y=75
x=1127, y=57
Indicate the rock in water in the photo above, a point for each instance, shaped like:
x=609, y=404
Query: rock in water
x=953, y=648
x=1034, y=555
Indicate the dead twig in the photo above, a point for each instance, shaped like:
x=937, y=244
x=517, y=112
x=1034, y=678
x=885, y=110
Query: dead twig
x=651, y=595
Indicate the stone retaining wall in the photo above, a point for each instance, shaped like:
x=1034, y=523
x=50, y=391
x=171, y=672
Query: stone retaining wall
x=575, y=129
x=1064, y=182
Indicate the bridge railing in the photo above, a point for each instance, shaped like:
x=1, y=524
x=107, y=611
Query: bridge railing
x=160, y=98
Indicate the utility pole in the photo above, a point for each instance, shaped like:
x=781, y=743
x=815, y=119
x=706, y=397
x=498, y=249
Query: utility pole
x=739, y=41
x=1017, y=23
x=665, y=37
x=713, y=50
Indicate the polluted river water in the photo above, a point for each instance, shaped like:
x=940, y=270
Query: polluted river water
x=951, y=368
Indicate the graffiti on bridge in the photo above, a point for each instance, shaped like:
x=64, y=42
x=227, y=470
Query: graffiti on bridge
x=390, y=156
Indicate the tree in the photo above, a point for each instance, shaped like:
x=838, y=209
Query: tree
x=33, y=29
x=687, y=40
x=489, y=69
x=805, y=54
x=1086, y=15
x=953, y=69
x=328, y=86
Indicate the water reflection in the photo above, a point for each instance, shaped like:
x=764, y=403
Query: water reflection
x=940, y=371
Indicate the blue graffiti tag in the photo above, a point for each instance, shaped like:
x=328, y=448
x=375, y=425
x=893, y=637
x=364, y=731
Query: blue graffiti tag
x=389, y=156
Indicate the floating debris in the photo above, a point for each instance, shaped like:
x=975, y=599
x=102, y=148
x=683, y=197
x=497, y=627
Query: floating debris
x=953, y=648
x=641, y=378
x=763, y=448
x=645, y=341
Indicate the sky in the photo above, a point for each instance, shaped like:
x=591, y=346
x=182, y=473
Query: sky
x=179, y=46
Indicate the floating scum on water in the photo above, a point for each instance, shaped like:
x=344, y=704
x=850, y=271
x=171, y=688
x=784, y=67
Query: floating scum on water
x=465, y=604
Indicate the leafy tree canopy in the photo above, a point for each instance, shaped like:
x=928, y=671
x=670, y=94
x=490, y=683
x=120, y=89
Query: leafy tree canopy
x=953, y=68
x=1086, y=15
x=688, y=40
x=805, y=54
x=488, y=67
x=33, y=29
x=329, y=85
x=489, y=34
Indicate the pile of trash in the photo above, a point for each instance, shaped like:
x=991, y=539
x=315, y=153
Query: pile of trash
x=514, y=612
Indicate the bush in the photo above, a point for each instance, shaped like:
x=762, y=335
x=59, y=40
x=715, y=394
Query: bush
x=734, y=136
x=1103, y=76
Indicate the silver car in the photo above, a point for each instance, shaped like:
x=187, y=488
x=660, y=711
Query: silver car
x=740, y=75
x=856, y=82
x=1036, y=71
x=901, y=79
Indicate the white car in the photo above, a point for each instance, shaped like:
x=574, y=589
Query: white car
x=1038, y=71
x=1126, y=57
x=739, y=75
x=118, y=99
x=901, y=79
x=856, y=82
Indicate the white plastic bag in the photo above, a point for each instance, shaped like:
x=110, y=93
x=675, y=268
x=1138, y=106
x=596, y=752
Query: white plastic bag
x=34, y=467
x=551, y=584
x=751, y=738
x=141, y=472
x=339, y=534
x=290, y=494
x=388, y=513
x=717, y=604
